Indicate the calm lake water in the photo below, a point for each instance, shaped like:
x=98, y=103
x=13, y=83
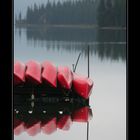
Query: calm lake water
x=107, y=69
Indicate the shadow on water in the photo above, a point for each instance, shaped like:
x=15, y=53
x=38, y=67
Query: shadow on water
x=106, y=43
x=109, y=35
x=61, y=34
x=48, y=114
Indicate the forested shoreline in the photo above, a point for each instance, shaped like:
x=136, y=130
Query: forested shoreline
x=102, y=13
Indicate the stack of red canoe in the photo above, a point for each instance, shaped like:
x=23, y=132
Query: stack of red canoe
x=48, y=73
x=34, y=126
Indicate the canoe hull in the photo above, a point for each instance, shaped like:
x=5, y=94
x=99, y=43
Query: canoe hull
x=33, y=72
x=19, y=73
x=82, y=85
x=49, y=73
x=65, y=77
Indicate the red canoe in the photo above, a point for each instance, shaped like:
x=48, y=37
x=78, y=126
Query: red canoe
x=19, y=73
x=33, y=128
x=18, y=127
x=49, y=127
x=65, y=77
x=82, y=85
x=82, y=115
x=49, y=73
x=64, y=122
x=33, y=72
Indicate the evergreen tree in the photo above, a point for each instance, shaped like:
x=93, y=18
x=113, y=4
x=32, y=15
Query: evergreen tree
x=109, y=18
x=111, y=13
x=123, y=13
x=120, y=12
x=101, y=13
x=67, y=12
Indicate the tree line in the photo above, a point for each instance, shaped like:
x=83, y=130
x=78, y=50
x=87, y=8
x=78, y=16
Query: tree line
x=85, y=12
x=111, y=13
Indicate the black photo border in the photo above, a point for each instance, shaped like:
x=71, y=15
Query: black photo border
x=6, y=47
x=7, y=60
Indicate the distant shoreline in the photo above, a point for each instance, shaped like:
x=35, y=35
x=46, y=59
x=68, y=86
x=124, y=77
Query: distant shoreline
x=70, y=26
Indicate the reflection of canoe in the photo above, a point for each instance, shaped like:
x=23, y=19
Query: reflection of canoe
x=33, y=127
x=19, y=73
x=82, y=85
x=64, y=122
x=49, y=73
x=49, y=127
x=33, y=72
x=18, y=126
x=81, y=115
x=55, y=116
x=64, y=77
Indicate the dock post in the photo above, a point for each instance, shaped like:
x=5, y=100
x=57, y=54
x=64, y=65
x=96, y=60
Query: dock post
x=88, y=99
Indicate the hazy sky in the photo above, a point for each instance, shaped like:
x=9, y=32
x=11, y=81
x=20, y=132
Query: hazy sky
x=21, y=5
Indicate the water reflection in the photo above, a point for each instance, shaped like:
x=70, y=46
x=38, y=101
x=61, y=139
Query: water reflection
x=109, y=98
x=47, y=117
x=104, y=51
x=76, y=34
x=61, y=34
x=109, y=35
x=107, y=43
